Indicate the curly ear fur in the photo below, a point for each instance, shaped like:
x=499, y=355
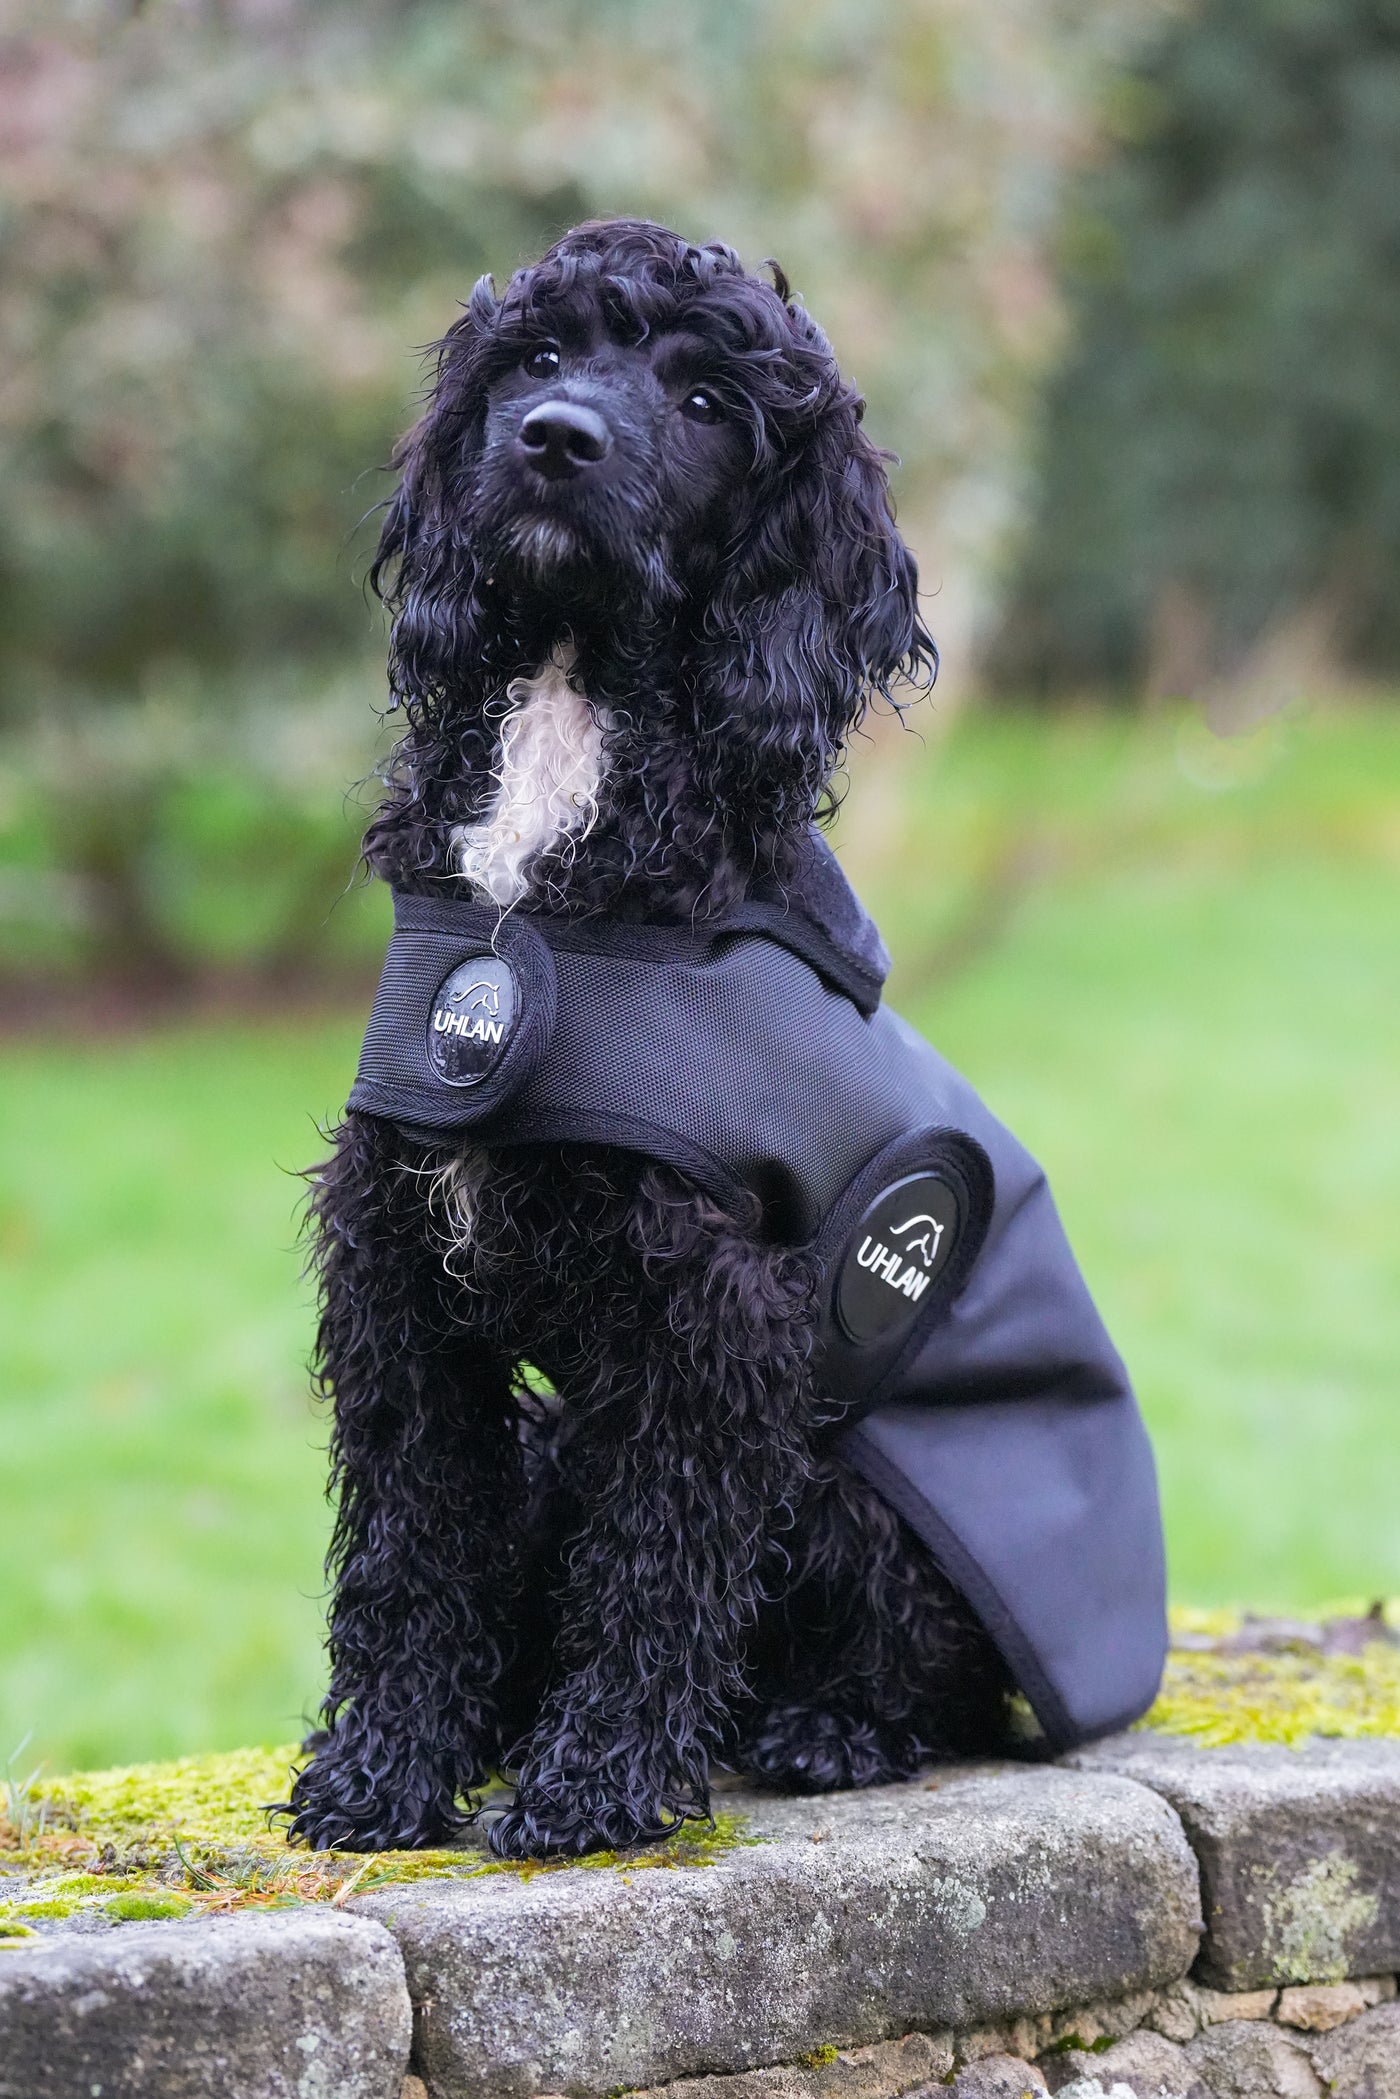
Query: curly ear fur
x=426, y=566
x=449, y=650
x=815, y=611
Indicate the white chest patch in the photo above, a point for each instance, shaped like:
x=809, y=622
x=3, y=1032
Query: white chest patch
x=547, y=780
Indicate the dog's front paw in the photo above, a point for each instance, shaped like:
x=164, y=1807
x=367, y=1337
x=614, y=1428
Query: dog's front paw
x=348, y=1798
x=803, y=1749
x=561, y=1820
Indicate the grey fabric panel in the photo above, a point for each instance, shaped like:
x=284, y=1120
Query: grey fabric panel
x=746, y=1055
x=1044, y=1511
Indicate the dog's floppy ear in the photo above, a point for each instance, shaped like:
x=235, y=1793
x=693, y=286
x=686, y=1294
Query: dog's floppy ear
x=814, y=612
x=423, y=568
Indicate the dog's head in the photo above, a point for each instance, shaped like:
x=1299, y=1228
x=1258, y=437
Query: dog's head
x=645, y=450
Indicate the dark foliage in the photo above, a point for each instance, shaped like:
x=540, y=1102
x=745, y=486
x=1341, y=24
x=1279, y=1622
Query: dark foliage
x=1223, y=444
x=657, y=1564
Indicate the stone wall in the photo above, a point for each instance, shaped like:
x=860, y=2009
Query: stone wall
x=1145, y=1920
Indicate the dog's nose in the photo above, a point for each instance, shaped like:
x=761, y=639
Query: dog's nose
x=562, y=439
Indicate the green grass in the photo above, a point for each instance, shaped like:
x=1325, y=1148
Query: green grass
x=1172, y=966
x=161, y=1510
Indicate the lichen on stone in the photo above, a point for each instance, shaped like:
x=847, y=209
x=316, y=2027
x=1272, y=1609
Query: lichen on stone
x=1310, y=1922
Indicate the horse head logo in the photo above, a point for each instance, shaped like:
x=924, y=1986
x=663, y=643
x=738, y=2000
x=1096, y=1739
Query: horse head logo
x=479, y=997
x=927, y=1243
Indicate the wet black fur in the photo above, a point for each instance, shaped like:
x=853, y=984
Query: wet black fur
x=607, y=1592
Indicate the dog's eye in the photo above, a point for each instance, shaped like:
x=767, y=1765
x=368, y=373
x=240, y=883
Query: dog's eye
x=542, y=362
x=702, y=406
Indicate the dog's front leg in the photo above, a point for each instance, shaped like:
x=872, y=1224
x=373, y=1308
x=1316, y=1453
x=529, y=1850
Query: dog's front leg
x=426, y=1547
x=683, y=1452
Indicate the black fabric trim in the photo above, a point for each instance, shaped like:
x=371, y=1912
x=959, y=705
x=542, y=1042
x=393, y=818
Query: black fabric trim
x=835, y=965
x=628, y=1132
x=827, y=899
x=788, y=926
x=967, y=1575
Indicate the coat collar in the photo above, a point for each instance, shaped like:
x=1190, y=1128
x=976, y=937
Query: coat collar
x=816, y=916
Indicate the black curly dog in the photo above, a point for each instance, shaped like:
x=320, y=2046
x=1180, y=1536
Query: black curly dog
x=648, y=454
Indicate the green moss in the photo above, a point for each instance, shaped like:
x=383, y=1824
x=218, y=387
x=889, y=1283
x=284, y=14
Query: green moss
x=697, y=1844
x=55, y=1895
x=11, y=1930
x=141, y=1909
x=1222, y=1698
x=1219, y=1699
x=74, y=1886
x=819, y=2056
x=206, y=1799
x=191, y=1836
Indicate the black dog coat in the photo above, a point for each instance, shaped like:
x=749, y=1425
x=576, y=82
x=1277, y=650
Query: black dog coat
x=983, y=1398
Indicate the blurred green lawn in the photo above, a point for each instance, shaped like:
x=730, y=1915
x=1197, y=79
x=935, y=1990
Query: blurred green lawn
x=1172, y=964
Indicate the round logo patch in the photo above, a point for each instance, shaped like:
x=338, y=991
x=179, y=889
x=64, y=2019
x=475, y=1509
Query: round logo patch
x=473, y=1017
x=897, y=1252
